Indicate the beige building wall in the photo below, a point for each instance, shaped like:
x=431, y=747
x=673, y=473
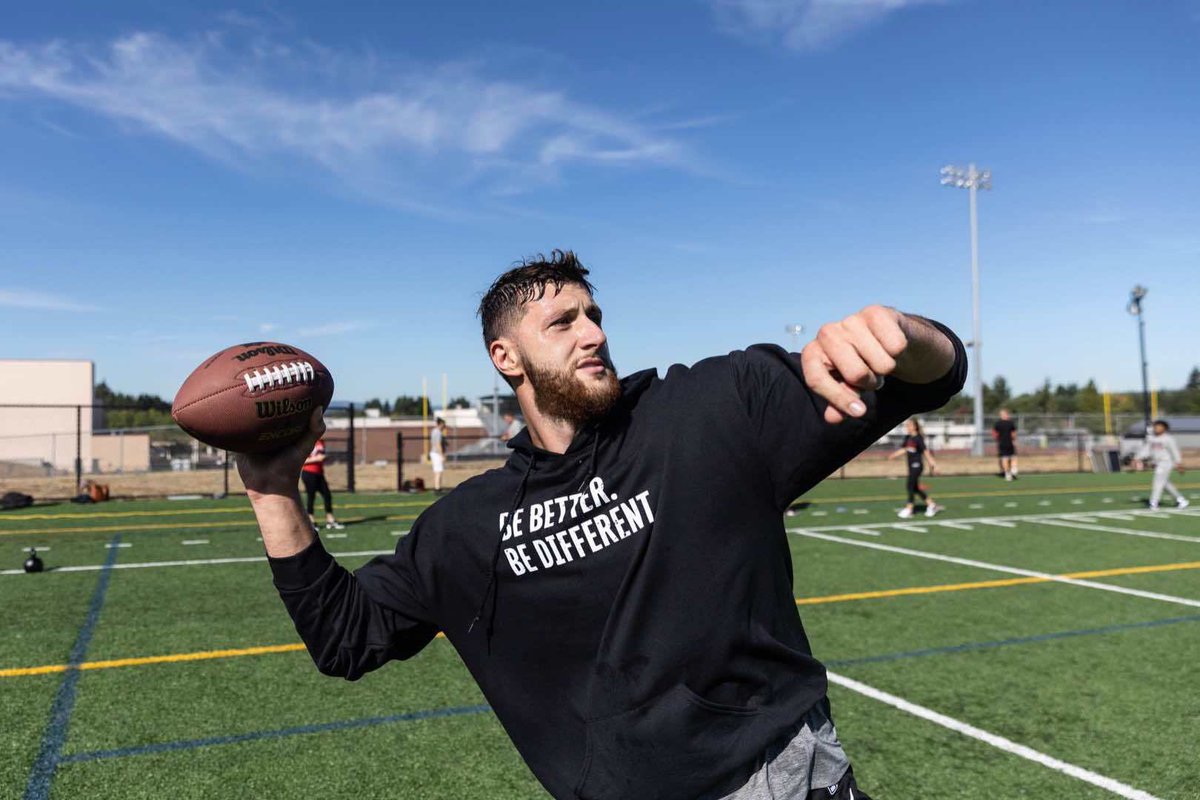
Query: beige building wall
x=129, y=452
x=45, y=435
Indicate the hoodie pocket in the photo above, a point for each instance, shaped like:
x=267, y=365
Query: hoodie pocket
x=675, y=745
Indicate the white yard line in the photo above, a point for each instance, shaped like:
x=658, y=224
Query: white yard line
x=994, y=520
x=967, y=562
x=999, y=742
x=961, y=526
x=863, y=531
x=193, y=562
x=195, y=541
x=910, y=528
x=1122, y=517
x=1083, y=526
x=998, y=523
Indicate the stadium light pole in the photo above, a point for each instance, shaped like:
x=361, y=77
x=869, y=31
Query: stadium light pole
x=1135, y=308
x=972, y=180
x=795, y=330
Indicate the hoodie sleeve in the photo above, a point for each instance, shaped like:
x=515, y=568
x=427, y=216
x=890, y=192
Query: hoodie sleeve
x=787, y=424
x=353, y=623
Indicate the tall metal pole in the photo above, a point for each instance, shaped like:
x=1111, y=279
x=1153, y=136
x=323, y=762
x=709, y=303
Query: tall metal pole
x=1135, y=307
x=976, y=333
x=973, y=179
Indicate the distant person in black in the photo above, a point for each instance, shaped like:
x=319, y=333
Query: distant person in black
x=915, y=453
x=1005, y=433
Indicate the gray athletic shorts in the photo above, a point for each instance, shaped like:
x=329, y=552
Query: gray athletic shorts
x=807, y=762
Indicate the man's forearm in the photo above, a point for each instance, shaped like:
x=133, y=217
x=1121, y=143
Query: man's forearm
x=286, y=528
x=929, y=354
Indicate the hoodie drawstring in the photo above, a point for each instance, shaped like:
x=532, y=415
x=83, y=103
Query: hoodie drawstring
x=490, y=591
x=591, y=470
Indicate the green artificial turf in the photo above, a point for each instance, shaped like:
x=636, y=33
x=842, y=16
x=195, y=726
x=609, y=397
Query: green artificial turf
x=1099, y=679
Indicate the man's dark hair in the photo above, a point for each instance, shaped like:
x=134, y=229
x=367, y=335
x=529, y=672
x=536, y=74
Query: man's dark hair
x=526, y=282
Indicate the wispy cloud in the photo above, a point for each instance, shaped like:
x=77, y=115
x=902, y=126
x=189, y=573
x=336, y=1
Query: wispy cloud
x=804, y=24
x=44, y=301
x=391, y=130
x=333, y=328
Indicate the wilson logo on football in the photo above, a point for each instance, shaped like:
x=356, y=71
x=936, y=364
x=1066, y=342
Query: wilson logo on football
x=266, y=409
x=279, y=375
x=266, y=350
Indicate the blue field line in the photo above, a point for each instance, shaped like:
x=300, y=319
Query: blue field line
x=1043, y=637
x=213, y=741
x=41, y=776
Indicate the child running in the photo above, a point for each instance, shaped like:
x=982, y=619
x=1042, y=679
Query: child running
x=916, y=451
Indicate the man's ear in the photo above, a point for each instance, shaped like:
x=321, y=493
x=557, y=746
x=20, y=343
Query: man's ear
x=506, y=358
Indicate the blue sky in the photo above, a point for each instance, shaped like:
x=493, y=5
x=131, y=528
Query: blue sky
x=350, y=180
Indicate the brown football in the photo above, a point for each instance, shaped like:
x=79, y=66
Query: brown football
x=253, y=397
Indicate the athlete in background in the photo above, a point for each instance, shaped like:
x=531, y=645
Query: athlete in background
x=1161, y=451
x=915, y=453
x=313, y=475
x=1005, y=434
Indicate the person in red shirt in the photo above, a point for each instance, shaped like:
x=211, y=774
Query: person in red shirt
x=313, y=475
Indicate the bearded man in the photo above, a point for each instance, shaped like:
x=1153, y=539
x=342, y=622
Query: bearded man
x=621, y=589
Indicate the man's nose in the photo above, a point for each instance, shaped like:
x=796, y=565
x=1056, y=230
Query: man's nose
x=591, y=336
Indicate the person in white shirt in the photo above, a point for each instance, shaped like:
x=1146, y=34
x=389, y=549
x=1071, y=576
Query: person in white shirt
x=1162, y=452
x=437, y=452
x=511, y=426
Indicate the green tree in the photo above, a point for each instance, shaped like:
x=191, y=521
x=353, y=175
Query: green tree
x=1090, y=400
x=996, y=396
x=406, y=406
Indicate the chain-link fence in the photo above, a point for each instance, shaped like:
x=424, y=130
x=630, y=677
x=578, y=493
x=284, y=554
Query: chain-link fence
x=52, y=452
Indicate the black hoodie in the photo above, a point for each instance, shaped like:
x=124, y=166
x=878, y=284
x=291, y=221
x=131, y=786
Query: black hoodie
x=637, y=633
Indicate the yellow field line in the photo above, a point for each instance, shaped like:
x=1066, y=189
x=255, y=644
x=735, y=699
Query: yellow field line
x=205, y=655
x=174, y=658
x=185, y=512
x=171, y=526
x=994, y=584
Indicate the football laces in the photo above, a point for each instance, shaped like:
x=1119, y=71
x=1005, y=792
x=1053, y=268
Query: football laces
x=280, y=375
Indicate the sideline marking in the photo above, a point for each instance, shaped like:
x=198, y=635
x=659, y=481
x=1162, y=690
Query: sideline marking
x=213, y=741
x=999, y=742
x=195, y=541
x=191, y=562
x=967, y=562
x=49, y=756
x=1054, y=490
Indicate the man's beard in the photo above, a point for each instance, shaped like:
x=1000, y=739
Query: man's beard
x=563, y=395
